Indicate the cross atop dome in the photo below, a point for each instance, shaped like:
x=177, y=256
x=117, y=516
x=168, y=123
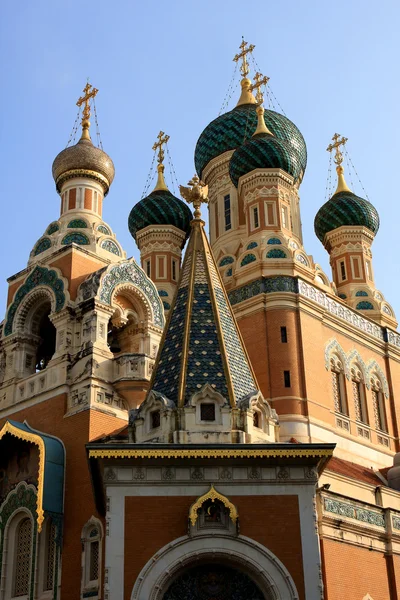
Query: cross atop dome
x=338, y=158
x=162, y=139
x=89, y=92
x=259, y=80
x=244, y=67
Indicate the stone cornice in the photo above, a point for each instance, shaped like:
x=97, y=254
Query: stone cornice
x=264, y=177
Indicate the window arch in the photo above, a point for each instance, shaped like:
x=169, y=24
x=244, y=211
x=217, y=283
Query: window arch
x=358, y=386
x=338, y=385
x=47, y=557
x=19, y=555
x=92, y=535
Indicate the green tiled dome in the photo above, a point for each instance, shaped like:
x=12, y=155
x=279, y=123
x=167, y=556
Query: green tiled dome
x=264, y=151
x=231, y=130
x=345, y=208
x=159, y=208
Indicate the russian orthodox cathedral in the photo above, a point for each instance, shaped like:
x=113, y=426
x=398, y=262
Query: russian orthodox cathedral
x=220, y=421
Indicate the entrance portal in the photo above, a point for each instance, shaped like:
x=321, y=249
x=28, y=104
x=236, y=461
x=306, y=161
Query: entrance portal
x=213, y=582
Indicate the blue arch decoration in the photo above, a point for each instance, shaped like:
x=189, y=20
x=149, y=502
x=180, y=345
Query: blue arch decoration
x=274, y=241
x=75, y=238
x=111, y=246
x=249, y=258
x=365, y=305
x=39, y=276
x=104, y=229
x=276, y=253
x=228, y=272
x=166, y=305
x=130, y=272
x=162, y=293
x=251, y=245
x=52, y=228
x=361, y=293
x=77, y=224
x=227, y=260
x=42, y=245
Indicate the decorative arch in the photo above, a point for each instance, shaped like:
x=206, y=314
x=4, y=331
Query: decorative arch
x=42, y=245
x=276, y=253
x=91, y=539
x=30, y=307
x=77, y=224
x=251, y=245
x=75, y=238
x=40, y=276
x=241, y=552
x=354, y=358
x=364, y=305
x=212, y=495
x=274, y=241
x=129, y=273
x=134, y=295
x=371, y=368
x=226, y=260
x=103, y=229
x=247, y=259
x=110, y=246
x=333, y=347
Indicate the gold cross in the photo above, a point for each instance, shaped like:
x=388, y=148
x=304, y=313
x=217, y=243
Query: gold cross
x=159, y=145
x=259, y=80
x=337, y=142
x=89, y=93
x=244, y=67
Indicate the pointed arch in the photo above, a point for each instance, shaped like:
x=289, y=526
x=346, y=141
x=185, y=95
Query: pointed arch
x=373, y=367
x=353, y=358
x=212, y=495
x=333, y=347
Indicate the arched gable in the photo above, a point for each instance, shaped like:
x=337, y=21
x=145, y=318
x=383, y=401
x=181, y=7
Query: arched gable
x=353, y=358
x=373, y=367
x=333, y=347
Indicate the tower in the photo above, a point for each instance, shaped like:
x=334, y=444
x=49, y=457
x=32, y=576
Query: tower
x=159, y=224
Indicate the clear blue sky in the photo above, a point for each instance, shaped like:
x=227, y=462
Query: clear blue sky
x=167, y=65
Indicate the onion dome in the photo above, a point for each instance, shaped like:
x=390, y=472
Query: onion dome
x=160, y=208
x=263, y=151
x=232, y=129
x=344, y=207
x=84, y=159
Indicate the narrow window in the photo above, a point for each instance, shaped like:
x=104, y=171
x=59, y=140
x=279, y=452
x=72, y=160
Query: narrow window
x=283, y=335
x=207, y=412
x=23, y=544
x=284, y=217
x=94, y=561
x=286, y=377
x=359, y=401
x=339, y=392
x=342, y=270
x=227, y=212
x=270, y=213
x=95, y=203
x=379, y=410
x=155, y=419
x=174, y=270
x=256, y=419
x=50, y=556
x=255, y=217
x=148, y=269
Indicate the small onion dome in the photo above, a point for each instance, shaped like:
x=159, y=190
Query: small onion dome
x=160, y=208
x=345, y=208
x=83, y=160
x=232, y=129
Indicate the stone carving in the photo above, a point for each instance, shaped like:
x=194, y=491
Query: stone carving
x=396, y=522
x=283, y=473
x=346, y=509
x=139, y=474
x=197, y=474
x=311, y=473
x=254, y=473
x=168, y=474
x=110, y=475
x=225, y=474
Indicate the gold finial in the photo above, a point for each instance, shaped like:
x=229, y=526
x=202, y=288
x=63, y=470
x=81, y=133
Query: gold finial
x=338, y=159
x=259, y=80
x=162, y=139
x=89, y=93
x=246, y=97
x=244, y=67
x=197, y=194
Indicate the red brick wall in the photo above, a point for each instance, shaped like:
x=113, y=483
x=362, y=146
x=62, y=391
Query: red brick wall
x=153, y=522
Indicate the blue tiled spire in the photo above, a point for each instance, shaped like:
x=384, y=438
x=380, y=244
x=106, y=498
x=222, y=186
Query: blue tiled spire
x=201, y=343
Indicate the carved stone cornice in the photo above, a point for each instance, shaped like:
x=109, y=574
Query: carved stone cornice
x=348, y=234
x=265, y=177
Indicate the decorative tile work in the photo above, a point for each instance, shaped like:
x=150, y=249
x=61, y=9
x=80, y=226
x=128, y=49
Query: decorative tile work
x=364, y=305
x=264, y=151
x=275, y=242
x=39, y=276
x=227, y=260
x=111, y=246
x=342, y=296
x=302, y=259
x=75, y=238
x=160, y=208
x=249, y=258
x=361, y=293
x=52, y=228
x=166, y=305
x=396, y=522
x=228, y=272
x=268, y=285
x=230, y=130
x=42, y=245
x=130, y=272
x=104, y=229
x=345, y=208
x=77, y=224
x=275, y=253
x=251, y=245
x=346, y=509
x=162, y=293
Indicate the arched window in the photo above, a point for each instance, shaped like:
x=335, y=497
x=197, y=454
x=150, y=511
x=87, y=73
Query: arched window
x=339, y=386
x=378, y=403
x=91, y=558
x=358, y=386
x=48, y=550
x=19, y=556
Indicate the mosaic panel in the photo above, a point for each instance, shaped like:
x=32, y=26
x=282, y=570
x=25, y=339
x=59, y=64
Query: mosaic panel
x=39, y=276
x=77, y=224
x=268, y=285
x=227, y=260
x=166, y=305
x=346, y=509
x=42, y=245
x=251, y=245
x=228, y=272
x=361, y=293
x=111, y=246
x=396, y=522
x=275, y=253
x=249, y=258
x=52, y=228
x=162, y=293
x=275, y=242
x=364, y=305
x=104, y=229
x=75, y=238
x=130, y=272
